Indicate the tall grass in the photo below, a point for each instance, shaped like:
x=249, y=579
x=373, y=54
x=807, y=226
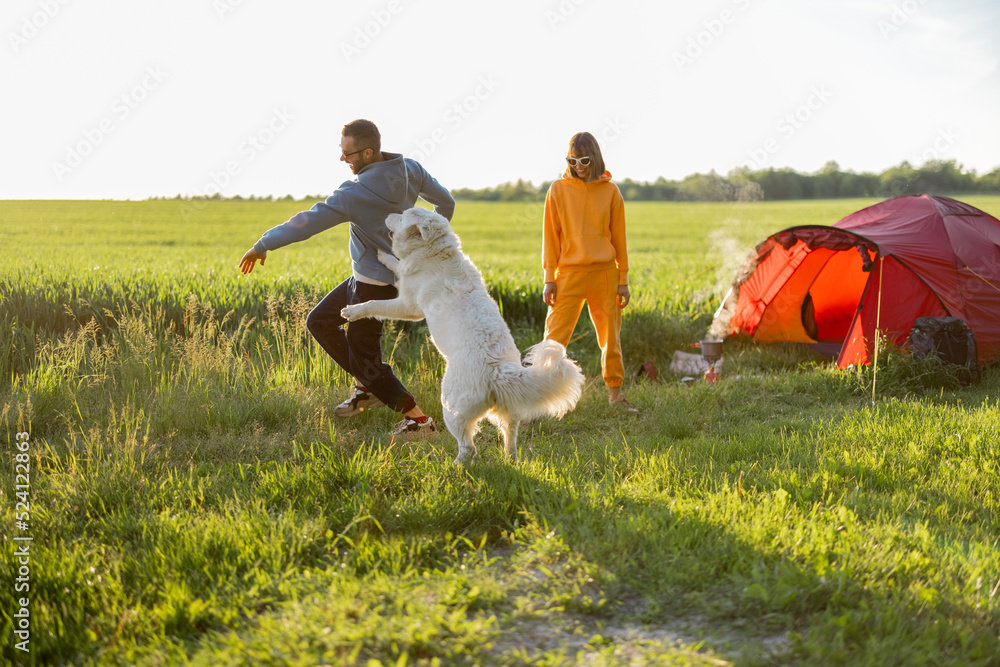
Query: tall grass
x=194, y=500
x=96, y=260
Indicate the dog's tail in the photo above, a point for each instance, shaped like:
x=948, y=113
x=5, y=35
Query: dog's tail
x=548, y=384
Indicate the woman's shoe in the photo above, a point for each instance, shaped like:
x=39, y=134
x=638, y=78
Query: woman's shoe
x=623, y=404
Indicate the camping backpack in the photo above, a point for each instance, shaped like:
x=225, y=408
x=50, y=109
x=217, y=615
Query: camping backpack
x=948, y=339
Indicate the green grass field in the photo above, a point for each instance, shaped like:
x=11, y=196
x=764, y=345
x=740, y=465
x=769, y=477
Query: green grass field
x=193, y=500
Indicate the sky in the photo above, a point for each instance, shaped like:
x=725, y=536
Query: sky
x=116, y=99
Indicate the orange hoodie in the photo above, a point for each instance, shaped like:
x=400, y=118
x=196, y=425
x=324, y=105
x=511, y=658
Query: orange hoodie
x=584, y=228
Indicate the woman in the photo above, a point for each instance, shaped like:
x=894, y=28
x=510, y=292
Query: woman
x=585, y=259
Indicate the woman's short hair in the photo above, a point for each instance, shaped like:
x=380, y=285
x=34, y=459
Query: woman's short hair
x=365, y=133
x=584, y=143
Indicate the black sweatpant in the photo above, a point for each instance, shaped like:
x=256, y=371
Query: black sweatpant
x=359, y=349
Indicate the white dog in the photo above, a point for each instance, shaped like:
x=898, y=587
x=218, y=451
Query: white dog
x=483, y=376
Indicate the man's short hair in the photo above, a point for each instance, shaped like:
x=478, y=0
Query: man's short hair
x=365, y=134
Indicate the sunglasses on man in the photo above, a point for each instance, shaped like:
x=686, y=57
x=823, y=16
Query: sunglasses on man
x=360, y=150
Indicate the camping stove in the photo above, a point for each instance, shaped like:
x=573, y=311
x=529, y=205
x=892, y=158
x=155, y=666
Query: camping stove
x=711, y=352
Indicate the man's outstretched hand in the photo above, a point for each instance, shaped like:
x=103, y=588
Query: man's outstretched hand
x=250, y=259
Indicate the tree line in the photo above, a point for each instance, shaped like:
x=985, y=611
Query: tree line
x=936, y=177
x=944, y=177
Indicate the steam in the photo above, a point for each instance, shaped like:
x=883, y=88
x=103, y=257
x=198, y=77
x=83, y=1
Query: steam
x=719, y=328
x=737, y=262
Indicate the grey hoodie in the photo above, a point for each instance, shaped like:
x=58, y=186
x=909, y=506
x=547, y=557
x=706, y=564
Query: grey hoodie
x=381, y=188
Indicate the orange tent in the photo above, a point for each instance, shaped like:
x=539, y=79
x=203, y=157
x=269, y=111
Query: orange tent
x=879, y=268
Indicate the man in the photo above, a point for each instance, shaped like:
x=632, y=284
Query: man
x=386, y=183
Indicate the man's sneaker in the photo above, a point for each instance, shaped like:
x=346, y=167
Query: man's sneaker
x=411, y=429
x=359, y=402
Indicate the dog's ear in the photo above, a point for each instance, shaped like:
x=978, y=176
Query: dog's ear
x=424, y=227
x=413, y=231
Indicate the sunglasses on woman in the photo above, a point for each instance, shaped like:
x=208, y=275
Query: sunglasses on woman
x=584, y=161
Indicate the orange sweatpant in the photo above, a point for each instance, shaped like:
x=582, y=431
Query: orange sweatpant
x=599, y=289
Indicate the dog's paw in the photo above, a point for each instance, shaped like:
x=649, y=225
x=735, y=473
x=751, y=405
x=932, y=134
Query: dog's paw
x=466, y=455
x=352, y=313
x=388, y=261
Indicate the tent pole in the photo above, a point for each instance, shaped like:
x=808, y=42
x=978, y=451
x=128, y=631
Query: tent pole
x=878, y=326
x=973, y=272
